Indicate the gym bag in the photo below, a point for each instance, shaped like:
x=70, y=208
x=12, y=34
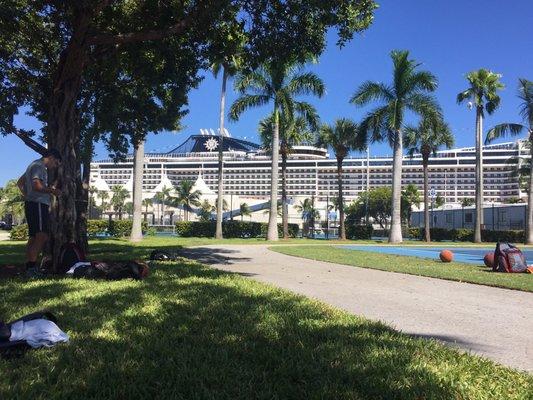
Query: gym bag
x=508, y=258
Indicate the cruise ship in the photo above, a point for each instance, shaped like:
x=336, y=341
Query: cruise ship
x=312, y=171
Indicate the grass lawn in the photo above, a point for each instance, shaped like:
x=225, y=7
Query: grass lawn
x=411, y=265
x=191, y=332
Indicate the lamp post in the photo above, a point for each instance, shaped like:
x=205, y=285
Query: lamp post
x=327, y=214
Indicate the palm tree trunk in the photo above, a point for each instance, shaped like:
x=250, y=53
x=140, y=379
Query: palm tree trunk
x=427, y=235
x=529, y=227
x=285, y=206
x=342, y=228
x=138, y=164
x=220, y=192
x=272, y=233
x=479, y=176
x=395, y=235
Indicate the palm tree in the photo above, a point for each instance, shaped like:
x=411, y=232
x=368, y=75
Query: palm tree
x=165, y=195
x=204, y=213
x=158, y=199
x=482, y=95
x=308, y=211
x=120, y=194
x=409, y=92
x=103, y=196
x=93, y=190
x=293, y=131
x=525, y=94
x=147, y=203
x=187, y=197
x=245, y=210
x=342, y=137
x=138, y=169
x=426, y=139
x=277, y=83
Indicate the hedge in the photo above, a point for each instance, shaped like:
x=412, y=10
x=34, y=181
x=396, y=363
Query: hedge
x=467, y=235
x=230, y=229
x=96, y=226
x=359, y=231
x=19, y=232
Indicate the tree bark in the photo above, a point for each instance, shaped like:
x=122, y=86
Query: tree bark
x=425, y=162
x=272, y=233
x=284, y=204
x=63, y=134
x=529, y=227
x=138, y=168
x=220, y=191
x=479, y=175
x=342, y=228
x=395, y=235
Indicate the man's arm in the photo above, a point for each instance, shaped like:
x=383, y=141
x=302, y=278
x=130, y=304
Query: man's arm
x=38, y=186
x=21, y=183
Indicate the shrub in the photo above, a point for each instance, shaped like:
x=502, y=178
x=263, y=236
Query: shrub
x=19, y=232
x=121, y=228
x=359, y=231
x=463, y=235
x=230, y=229
x=96, y=226
x=416, y=233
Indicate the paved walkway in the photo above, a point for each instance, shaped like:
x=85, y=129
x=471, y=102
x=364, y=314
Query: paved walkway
x=4, y=235
x=495, y=323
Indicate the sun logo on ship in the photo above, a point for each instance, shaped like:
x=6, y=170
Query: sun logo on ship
x=211, y=144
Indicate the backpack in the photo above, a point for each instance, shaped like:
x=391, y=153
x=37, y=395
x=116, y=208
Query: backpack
x=112, y=271
x=70, y=254
x=16, y=348
x=508, y=258
x=164, y=255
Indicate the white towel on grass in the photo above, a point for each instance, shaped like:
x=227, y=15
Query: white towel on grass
x=38, y=333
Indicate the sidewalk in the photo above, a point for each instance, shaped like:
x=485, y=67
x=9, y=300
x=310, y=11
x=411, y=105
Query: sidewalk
x=491, y=322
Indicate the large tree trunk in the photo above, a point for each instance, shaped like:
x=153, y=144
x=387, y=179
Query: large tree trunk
x=138, y=168
x=272, y=233
x=284, y=204
x=425, y=162
x=342, y=228
x=82, y=205
x=395, y=235
x=220, y=191
x=529, y=226
x=63, y=134
x=479, y=175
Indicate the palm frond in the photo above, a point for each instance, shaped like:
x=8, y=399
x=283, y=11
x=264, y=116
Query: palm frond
x=424, y=105
x=525, y=93
x=503, y=130
x=375, y=125
x=309, y=113
x=464, y=95
x=245, y=102
x=372, y=91
x=255, y=81
x=306, y=84
x=422, y=81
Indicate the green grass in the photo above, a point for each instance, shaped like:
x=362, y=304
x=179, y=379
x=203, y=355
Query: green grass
x=411, y=265
x=191, y=332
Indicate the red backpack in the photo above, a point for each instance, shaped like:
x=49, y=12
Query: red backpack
x=508, y=258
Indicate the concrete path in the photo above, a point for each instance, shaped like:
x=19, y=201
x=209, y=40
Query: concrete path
x=4, y=235
x=495, y=323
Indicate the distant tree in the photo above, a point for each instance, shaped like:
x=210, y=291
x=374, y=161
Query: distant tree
x=410, y=198
x=308, y=211
x=204, y=212
x=147, y=203
x=103, y=196
x=245, y=210
x=118, y=199
x=342, y=137
x=425, y=139
x=279, y=84
x=187, y=197
x=409, y=92
x=525, y=94
x=439, y=201
x=12, y=201
x=482, y=95
x=93, y=191
x=128, y=208
x=467, y=202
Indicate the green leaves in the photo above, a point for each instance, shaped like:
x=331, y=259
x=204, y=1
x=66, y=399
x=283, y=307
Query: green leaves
x=484, y=85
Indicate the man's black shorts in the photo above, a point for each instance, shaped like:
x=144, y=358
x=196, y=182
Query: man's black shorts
x=38, y=217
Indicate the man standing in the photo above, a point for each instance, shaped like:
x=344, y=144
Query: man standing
x=34, y=185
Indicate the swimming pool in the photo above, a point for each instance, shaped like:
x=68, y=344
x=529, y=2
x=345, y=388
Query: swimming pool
x=460, y=254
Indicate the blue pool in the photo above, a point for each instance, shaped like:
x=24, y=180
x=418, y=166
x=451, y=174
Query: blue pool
x=461, y=254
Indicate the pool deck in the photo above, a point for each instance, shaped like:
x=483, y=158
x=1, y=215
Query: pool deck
x=490, y=322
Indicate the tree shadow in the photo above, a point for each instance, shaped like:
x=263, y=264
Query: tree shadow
x=192, y=332
x=210, y=256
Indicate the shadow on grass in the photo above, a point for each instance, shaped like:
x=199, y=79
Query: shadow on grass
x=190, y=332
x=210, y=256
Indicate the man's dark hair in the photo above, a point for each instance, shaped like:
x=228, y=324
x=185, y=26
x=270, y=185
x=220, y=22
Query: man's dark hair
x=54, y=153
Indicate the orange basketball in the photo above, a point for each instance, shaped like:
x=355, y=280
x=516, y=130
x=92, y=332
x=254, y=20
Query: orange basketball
x=489, y=259
x=446, y=256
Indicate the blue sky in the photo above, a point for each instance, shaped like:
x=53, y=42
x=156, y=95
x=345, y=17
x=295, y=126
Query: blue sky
x=449, y=38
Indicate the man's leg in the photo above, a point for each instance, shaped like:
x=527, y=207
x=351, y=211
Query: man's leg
x=37, y=246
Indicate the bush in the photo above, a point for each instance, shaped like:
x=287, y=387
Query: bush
x=121, y=228
x=503, y=236
x=19, y=232
x=359, y=231
x=416, y=233
x=96, y=226
x=463, y=235
x=230, y=229
x=467, y=235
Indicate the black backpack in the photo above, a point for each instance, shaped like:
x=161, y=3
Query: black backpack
x=164, y=255
x=18, y=347
x=70, y=254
